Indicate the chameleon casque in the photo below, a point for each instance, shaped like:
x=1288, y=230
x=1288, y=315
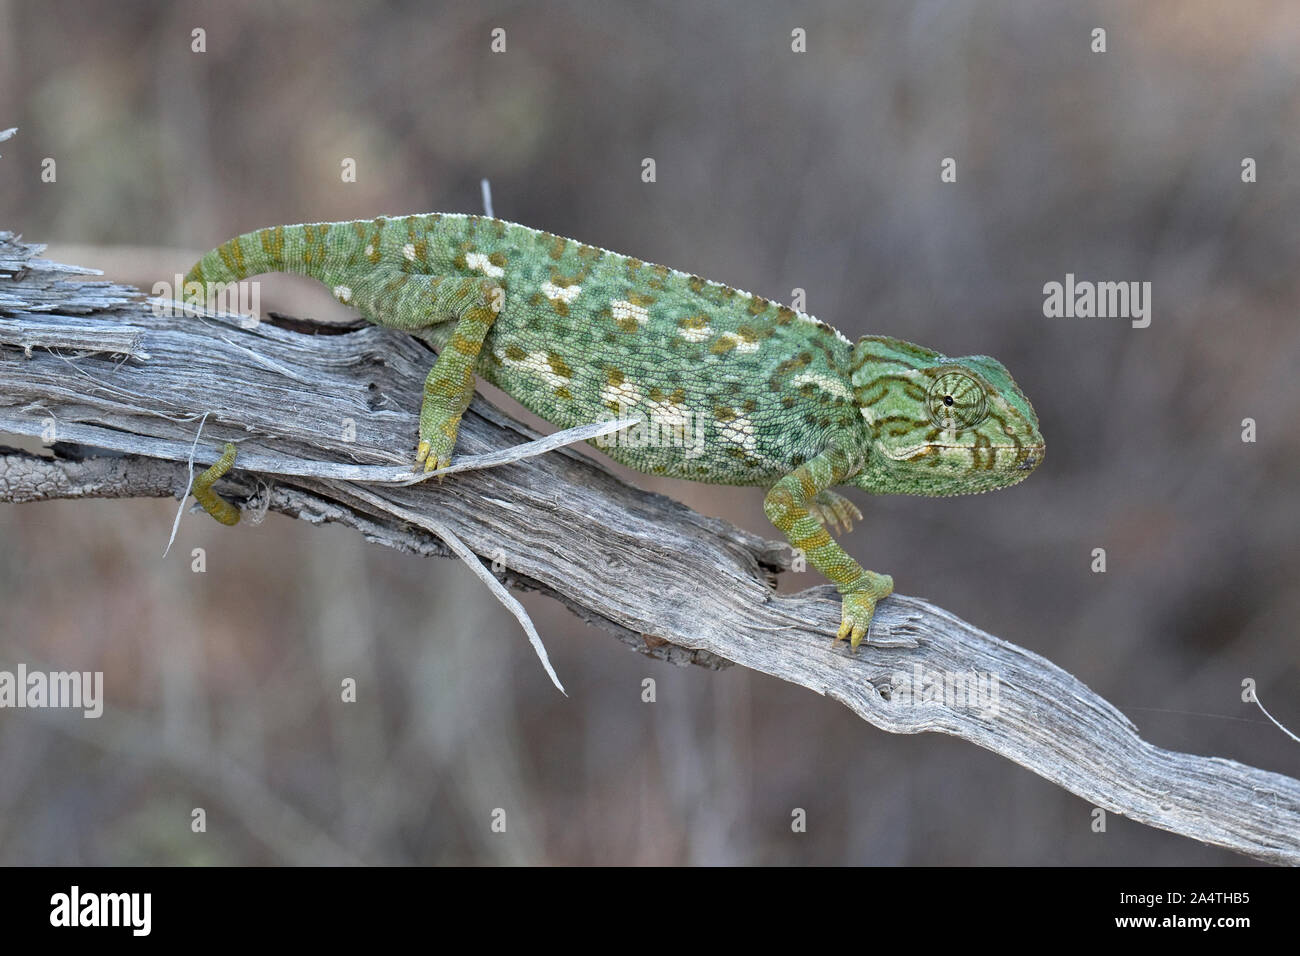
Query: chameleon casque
x=579, y=334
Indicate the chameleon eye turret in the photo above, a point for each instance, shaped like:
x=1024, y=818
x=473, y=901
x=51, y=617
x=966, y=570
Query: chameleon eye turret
x=956, y=401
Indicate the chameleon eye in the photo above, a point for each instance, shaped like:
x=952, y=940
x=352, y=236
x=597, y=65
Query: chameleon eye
x=956, y=401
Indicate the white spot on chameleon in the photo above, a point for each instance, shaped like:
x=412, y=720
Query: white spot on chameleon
x=528, y=230
x=624, y=394
x=825, y=382
x=868, y=414
x=370, y=251
x=408, y=252
x=696, y=335
x=343, y=294
x=565, y=294
x=669, y=413
x=537, y=364
x=739, y=431
x=626, y=310
x=480, y=261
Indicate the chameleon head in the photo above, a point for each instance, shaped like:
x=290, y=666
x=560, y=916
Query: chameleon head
x=940, y=426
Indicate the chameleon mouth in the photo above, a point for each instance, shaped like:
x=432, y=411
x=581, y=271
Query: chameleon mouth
x=1034, y=456
x=1028, y=457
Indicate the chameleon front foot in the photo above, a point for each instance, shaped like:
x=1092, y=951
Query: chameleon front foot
x=833, y=509
x=859, y=607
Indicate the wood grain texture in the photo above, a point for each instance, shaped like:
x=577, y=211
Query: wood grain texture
x=669, y=582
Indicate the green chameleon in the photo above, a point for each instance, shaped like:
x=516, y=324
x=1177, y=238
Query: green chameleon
x=577, y=334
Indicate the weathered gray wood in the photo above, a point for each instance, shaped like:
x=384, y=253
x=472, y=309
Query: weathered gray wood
x=566, y=527
x=87, y=339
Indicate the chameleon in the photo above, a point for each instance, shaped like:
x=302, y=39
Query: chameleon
x=775, y=398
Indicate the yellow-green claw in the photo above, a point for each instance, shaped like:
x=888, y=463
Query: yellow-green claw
x=430, y=458
x=212, y=503
x=860, y=606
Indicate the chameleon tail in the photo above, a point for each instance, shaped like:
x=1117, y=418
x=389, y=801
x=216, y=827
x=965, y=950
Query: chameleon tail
x=319, y=250
x=313, y=249
x=212, y=503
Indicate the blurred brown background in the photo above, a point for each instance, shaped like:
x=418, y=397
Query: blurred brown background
x=775, y=170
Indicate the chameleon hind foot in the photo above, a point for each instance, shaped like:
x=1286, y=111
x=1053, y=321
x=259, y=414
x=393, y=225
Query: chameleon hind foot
x=434, y=452
x=444, y=403
x=859, y=606
x=449, y=388
x=212, y=503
